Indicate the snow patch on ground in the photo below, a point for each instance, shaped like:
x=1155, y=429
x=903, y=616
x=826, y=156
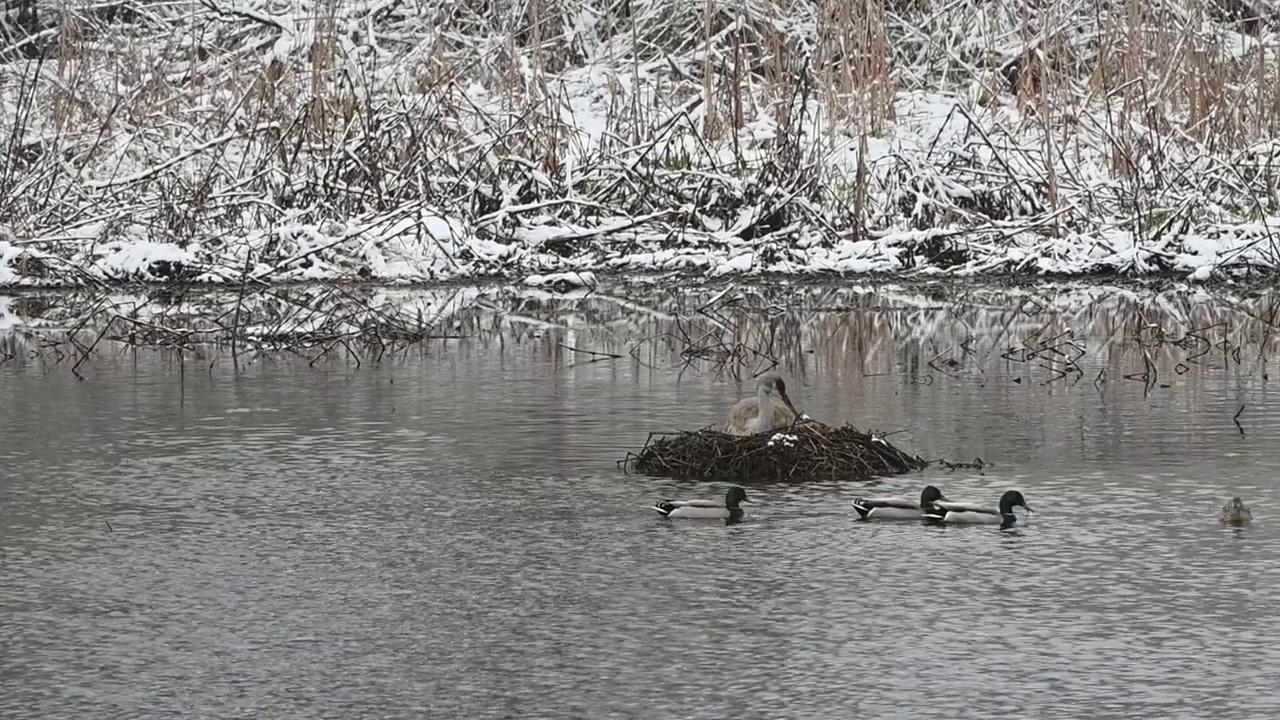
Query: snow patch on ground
x=610, y=162
x=8, y=253
x=564, y=280
x=124, y=260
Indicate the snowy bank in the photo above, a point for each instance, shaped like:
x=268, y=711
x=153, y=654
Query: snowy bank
x=263, y=141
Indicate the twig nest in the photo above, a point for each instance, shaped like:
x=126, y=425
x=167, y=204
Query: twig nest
x=802, y=452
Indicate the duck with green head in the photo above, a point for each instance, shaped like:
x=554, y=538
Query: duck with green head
x=950, y=512
x=731, y=508
x=896, y=508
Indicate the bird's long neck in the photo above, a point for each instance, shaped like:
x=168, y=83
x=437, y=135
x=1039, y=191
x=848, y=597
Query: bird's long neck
x=764, y=419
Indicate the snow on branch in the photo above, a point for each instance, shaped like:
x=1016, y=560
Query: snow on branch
x=410, y=140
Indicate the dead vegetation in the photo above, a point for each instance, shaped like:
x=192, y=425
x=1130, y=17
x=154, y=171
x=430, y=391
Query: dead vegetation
x=1053, y=338
x=282, y=141
x=807, y=451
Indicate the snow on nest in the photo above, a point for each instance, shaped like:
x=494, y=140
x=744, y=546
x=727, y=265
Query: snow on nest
x=782, y=438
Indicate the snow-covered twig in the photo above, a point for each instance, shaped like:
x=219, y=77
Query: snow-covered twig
x=411, y=140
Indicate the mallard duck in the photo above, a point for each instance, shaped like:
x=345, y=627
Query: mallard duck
x=895, y=508
x=758, y=414
x=1235, y=513
x=730, y=508
x=950, y=512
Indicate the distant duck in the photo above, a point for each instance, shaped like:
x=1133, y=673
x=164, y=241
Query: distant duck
x=948, y=512
x=762, y=413
x=1235, y=513
x=708, y=509
x=895, y=508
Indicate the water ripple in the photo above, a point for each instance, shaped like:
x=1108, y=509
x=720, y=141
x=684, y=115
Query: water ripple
x=460, y=545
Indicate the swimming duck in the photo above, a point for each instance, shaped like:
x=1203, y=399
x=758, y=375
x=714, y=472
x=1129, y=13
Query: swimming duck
x=949, y=512
x=895, y=508
x=1235, y=513
x=730, y=508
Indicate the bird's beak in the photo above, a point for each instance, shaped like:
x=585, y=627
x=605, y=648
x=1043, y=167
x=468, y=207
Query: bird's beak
x=1027, y=507
x=787, y=399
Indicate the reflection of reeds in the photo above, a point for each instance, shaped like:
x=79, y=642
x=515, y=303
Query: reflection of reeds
x=843, y=336
x=313, y=320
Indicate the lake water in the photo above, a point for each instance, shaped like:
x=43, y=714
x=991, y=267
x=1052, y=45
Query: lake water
x=445, y=533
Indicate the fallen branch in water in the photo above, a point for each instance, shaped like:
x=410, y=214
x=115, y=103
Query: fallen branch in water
x=595, y=355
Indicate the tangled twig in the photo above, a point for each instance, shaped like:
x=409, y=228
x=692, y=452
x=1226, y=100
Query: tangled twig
x=805, y=451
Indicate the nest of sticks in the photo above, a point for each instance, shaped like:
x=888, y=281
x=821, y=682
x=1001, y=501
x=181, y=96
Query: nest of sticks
x=805, y=451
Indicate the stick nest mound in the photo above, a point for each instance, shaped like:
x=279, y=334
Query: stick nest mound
x=802, y=452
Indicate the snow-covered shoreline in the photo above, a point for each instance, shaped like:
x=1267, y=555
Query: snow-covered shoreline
x=302, y=148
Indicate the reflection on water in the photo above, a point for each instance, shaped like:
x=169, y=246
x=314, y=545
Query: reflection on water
x=444, y=533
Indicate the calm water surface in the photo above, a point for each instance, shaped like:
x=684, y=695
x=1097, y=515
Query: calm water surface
x=446, y=534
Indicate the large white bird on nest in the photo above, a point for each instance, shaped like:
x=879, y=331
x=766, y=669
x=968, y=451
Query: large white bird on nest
x=763, y=412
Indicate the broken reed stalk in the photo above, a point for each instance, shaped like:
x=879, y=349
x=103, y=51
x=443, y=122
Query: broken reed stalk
x=197, y=141
x=807, y=451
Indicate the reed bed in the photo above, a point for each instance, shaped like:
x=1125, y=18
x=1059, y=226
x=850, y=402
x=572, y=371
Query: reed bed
x=231, y=141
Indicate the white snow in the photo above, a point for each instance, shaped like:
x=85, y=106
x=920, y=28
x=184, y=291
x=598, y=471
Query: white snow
x=564, y=280
x=124, y=260
x=8, y=253
x=737, y=264
x=366, y=143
